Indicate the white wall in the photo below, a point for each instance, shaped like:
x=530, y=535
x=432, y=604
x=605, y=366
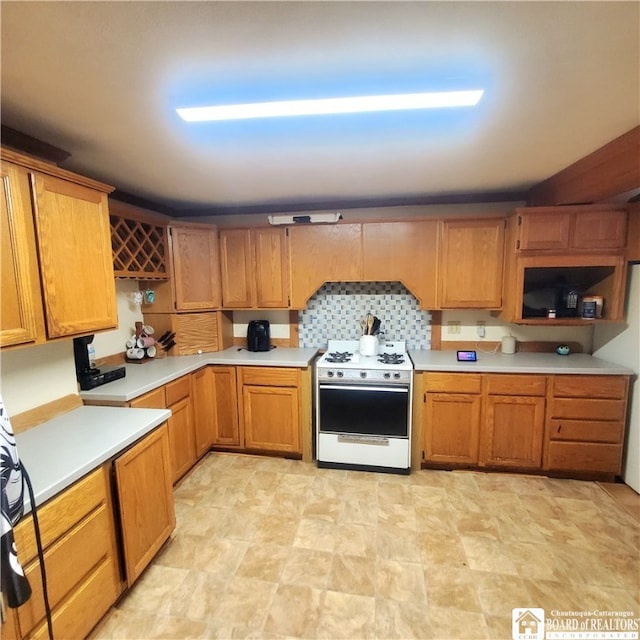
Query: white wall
x=495, y=329
x=109, y=342
x=33, y=376
x=621, y=344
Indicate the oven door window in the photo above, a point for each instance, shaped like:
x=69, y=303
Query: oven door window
x=382, y=411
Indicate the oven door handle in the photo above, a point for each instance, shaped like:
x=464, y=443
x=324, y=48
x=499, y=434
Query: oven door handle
x=364, y=387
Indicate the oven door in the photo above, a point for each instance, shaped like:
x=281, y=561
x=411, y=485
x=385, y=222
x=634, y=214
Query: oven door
x=361, y=409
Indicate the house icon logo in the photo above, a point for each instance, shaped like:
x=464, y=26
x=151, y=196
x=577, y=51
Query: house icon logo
x=527, y=624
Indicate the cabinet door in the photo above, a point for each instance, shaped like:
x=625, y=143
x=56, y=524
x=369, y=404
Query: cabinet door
x=513, y=431
x=76, y=266
x=323, y=253
x=19, y=291
x=544, y=230
x=181, y=437
x=600, y=230
x=271, y=418
x=271, y=268
x=203, y=410
x=472, y=257
x=403, y=251
x=451, y=428
x=236, y=269
x=194, y=253
x=225, y=407
x=145, y=492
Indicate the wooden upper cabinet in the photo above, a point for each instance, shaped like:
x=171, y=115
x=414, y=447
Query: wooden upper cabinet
x=600, y=230
x=546, y=230
x=236, y=269
x=633, y=238
x=471, y=264
x=74, y=246
x=579, y=228
x=20, y=301
x=272, y=267
x=254, y=268
x=322, y=253
x=194, y=253
x=403, y=251
x=57, y=271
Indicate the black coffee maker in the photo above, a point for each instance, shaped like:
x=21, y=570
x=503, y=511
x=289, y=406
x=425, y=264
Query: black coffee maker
x=90, y=377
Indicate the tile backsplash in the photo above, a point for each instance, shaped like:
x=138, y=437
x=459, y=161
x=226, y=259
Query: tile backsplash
x=334, y=313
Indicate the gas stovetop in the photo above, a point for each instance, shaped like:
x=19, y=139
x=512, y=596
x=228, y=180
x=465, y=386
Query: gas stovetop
x=343, y=361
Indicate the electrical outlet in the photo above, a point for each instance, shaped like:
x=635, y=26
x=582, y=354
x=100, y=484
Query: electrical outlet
x=453, y=326
x=481, y=328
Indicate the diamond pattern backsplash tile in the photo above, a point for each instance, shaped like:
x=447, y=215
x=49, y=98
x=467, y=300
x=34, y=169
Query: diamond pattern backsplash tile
x=334, y=313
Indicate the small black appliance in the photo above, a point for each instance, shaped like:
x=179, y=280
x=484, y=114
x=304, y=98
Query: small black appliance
x=258, y=335
x=90, y=377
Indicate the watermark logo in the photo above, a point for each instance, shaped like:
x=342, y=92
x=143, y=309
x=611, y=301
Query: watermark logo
x=532, y=624
x=527, y=624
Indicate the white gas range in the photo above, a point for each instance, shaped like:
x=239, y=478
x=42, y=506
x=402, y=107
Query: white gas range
x=363, y=407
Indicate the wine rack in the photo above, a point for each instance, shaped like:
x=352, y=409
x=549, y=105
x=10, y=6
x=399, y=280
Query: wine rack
x=139, y=248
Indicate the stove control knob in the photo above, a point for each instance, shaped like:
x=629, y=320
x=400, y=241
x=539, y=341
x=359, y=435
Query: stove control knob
x=330, y=374
x=363, y=374
x=387, y=375
x=340, y=374
x=396, y=376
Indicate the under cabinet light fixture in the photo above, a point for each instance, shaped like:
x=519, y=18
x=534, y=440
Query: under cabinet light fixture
x=361, y=104
x=314, y=218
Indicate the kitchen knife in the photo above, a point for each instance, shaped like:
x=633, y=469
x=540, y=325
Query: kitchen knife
x=163, y=337
x=169, y=345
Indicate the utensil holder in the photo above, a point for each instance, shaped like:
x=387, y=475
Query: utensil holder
x=368, y=346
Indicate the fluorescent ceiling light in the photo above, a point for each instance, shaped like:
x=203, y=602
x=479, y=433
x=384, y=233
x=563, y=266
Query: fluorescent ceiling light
x=362, y=104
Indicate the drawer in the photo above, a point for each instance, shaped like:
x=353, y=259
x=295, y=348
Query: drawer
x=68, y=562
x=587, y=430
x=270, y=376
x=177, y=390
x=587, y=409
x=614, y=387
x=153, y=400
x=453, y=382
x=587, y=456
x=61, y=513
x=516, y=385
x=77, y=615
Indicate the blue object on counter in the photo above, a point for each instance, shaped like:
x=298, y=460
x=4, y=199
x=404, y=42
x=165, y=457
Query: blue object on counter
x=563, y=350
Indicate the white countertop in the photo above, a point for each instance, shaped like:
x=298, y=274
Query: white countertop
x=60, y=451
x=549, y=363
x=152, y=374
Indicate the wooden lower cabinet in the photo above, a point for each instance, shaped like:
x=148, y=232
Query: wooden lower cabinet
x=77, y=525
x=513, y=420
x=178, y=397
x=145, y=496
x=513, y=428
x=586, y=423
x=570, y=424
x=227, y=429
x=269, y=408
x=215, y=408
x=452, y=428
x=451, y=418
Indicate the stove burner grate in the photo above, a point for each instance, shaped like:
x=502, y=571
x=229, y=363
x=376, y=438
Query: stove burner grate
x=391, y=358
x=339, y=357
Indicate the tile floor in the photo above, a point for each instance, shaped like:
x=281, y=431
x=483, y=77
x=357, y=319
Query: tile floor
x=272, y=548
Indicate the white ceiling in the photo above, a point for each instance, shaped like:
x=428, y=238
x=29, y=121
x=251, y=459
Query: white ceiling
x=102, y=81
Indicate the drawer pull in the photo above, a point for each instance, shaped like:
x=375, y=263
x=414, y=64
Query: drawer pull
x=559, y=428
